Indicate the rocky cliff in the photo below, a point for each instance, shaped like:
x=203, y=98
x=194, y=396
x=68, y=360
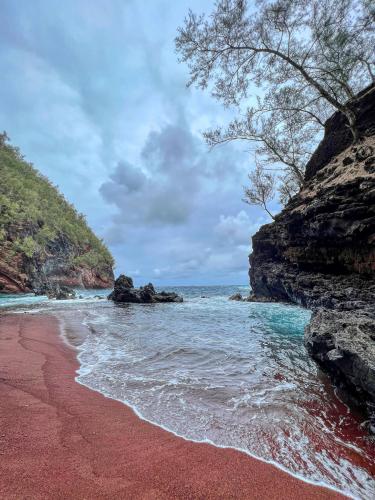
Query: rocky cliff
x=320, y=253
x=42, y=237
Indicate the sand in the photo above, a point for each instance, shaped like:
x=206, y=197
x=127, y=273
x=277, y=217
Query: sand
x=59, y=439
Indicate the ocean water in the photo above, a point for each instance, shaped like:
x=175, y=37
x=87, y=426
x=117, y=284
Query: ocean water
x=231, y=373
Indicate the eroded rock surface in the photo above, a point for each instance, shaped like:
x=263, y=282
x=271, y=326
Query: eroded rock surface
x=56, y=291
x=343, y=342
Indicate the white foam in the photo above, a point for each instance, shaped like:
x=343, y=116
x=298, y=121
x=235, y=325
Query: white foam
x=212, y=443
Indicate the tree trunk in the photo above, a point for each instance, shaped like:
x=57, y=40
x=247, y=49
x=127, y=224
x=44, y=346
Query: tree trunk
x=352, y=121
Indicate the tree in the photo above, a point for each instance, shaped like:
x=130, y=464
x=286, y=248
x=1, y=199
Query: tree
x=322, y=48
x=261, y=189
x=308, y=58
x=4, y=139
x=281, y=134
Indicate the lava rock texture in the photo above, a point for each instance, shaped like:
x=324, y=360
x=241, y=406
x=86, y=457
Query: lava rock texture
x=56, y=291
x=124, y=292
x=320, y=253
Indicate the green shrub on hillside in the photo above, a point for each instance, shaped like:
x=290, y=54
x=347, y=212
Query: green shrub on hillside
x=27, y=198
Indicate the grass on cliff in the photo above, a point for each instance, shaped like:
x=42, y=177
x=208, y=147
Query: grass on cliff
x=33, y=214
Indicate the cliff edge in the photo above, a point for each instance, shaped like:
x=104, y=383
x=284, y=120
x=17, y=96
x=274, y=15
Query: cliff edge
x=43, y=239
x=320, y=253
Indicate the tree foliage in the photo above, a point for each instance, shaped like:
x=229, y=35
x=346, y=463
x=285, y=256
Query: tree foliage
x=301, y=59
x=261, y=189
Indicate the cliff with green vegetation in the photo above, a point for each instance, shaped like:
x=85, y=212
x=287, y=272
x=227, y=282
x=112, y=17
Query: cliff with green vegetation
x=43, y=239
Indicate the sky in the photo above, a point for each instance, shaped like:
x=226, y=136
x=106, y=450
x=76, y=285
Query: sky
x=93, y=94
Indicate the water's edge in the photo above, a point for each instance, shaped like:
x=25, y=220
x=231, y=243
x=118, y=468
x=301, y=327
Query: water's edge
x=231, y=375
x=78, y=352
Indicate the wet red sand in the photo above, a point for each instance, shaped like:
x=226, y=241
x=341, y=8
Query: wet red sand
x=59, y=439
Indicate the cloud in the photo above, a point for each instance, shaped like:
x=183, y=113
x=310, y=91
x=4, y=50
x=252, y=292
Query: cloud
x=96, y=99
x=126, y=177
x=234, y=229
x=175, y=173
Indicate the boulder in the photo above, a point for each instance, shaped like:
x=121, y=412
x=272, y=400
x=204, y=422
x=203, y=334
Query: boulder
x=237, y=296
x=124, y=292
x=124, y=281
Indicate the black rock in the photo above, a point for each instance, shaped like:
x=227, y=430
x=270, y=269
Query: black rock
x=56, y=291
x=167, y=297
x=237, y=296
x=343, y=343
x=254, y=298
x=124, y=281
x=370, y=165
x=337, y=135
x=124, y=292
x=347, y=160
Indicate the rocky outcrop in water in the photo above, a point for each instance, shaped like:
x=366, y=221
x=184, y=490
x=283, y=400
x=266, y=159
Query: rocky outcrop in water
x=320, y=253
x=236, y=297
x=124, y=292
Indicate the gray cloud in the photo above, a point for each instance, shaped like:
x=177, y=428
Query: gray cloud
x=174, y=178
x=95, y=98
x=146, y=199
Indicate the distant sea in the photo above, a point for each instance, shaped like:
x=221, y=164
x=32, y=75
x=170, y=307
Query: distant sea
x=230, y=373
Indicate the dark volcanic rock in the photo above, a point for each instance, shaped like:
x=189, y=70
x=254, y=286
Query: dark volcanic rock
x=56, y=291
x=343, y=343
x=124, y=282
x=338, y=137
x=320, y=253
x=236, y=296
x=322, y=245
x=124, y=292
x=254, y=298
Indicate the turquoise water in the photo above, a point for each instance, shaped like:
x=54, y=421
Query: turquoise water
x=14, y=301
x=231, y=373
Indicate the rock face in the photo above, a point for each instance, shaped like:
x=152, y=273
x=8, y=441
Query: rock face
x=20, y=273
x=343, y=342
x=320, y=253
x=124, y=292
x=337, y=135
x=57, y=265
x=56, y=291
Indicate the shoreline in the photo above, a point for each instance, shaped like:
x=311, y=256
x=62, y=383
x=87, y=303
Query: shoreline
x=61, y=439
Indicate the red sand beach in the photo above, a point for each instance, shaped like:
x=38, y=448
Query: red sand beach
x=59, y=439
